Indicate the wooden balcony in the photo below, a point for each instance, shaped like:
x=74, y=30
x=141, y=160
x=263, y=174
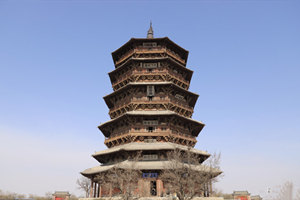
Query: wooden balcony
x=165, y=104
x=166, y=136
x=153, y=50
x=159, y=76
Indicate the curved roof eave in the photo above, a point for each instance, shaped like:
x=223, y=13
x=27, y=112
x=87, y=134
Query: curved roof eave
x=151, y=113
x=136, y=146
x=148, y=165
x=167, y=112
x=150, y=39
x=149, y=83
x=139, y=59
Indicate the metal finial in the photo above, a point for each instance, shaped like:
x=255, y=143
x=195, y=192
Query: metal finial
x=150, y=31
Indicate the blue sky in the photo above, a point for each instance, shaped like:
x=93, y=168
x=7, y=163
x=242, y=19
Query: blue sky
x=54, y=60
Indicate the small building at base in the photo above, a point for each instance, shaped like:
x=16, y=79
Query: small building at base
x=61, y=195
x=244, y=195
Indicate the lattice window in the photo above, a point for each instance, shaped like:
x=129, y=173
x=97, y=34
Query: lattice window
x=150, y=122
x=150, y=140
x=149, y=65
x=150, y=90
x=149, y=44
x=150, y=157
x=178, y=96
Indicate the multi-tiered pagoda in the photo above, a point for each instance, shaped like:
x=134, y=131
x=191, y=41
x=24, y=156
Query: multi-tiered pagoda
x=150, y=110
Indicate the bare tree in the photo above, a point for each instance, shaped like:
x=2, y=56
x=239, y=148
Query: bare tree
x=186, y=176
x=122, y=179
x=48, y=195
x=85, y=185
x=13, y=195
x=220, y=193
x=285, y=192
x=126, y=181
x=298, y=195
x=10, y=195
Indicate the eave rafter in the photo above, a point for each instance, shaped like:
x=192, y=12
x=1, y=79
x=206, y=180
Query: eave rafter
x=158, y=136
x=145, y=53
x=135, y=64
x=136, y=45
x=132, y=91
x=166, y=105
x=147, y=76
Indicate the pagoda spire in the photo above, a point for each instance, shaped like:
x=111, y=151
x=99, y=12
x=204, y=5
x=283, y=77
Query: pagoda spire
x=150, y=31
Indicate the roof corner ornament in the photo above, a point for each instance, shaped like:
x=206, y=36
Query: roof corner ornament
x=150, y=31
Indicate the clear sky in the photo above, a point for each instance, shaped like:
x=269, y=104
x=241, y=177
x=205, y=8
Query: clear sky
x=54, y=60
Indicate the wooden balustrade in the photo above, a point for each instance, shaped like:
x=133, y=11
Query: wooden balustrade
x=145, y=133
x=122, y=108
x=157, y=50
x=132, y=74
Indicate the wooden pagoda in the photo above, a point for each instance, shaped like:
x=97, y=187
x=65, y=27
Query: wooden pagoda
x=150, y=109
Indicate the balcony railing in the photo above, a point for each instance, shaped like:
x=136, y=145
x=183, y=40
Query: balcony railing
x=126, y=79
x=146, y=133
x=139, y=50
x=157, y=100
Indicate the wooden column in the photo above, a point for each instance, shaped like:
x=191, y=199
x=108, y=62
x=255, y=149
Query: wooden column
x=91, y=191
x=95, y=189
x=207, y=189
x=204, y=190
x=159, y=187
x=110, y=190
x=98, y=191
x=210, y=188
